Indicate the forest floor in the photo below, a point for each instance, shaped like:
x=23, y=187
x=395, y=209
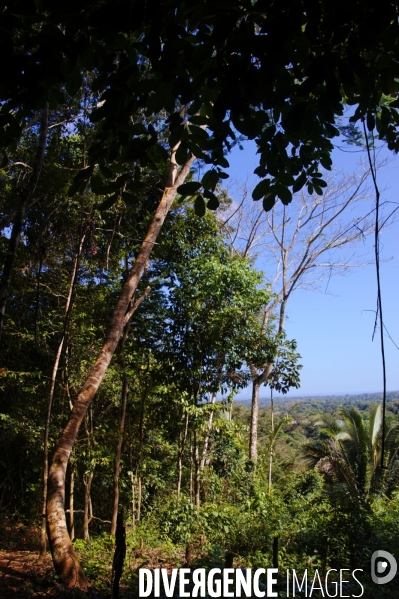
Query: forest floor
x=21, y=575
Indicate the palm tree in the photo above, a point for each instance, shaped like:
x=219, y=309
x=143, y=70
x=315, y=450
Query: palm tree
x=348, y=453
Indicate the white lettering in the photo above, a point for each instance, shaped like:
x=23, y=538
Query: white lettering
x=169, y=587
x=199, y=579
x=243, y=582
x=271, y=582
x=257, y=591
x=216, y=589
x=319, y=588
x=304, y=582
x=341, y=581
x=358, y=582
x=157, y=590
x=228, y=581
x=333, y=583
x=145, y=580
x=183, y=581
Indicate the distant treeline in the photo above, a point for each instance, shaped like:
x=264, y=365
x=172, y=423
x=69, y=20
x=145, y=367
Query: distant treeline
x=361, y=400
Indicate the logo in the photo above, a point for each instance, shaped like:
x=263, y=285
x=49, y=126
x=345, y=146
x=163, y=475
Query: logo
x=383, y=567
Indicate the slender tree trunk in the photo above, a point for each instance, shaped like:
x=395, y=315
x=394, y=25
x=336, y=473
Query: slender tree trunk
x=65, y=559
x=138, y=499
x=87, y=510
x=272, y=436
x=71, y=504
x=257, y=380
x=133, y=501
x=117, y=465
x=19, y=219
x=197, y=479
x=140, y=451
x=68, y=307
x=119, y=557
x=253, y=434
x=132, y=478
x=208, y=432
x=182, y=439
x=191, y=470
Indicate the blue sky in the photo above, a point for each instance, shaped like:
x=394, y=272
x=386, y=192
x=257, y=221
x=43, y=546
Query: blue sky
x=334, y=330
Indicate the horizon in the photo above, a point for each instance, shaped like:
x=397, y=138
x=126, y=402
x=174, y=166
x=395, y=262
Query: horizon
x=280, y=396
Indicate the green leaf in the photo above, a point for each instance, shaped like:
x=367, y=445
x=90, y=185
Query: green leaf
x=210, y=179
x=261, y=189
x=199, y=206
x=182, y=153
x=299, y=182
x=370, y=121
x=4, y=160
x=319, y=182
x=158, y=154
x=213, y=203
x=129, y=198
x=189, y=188
x=268, y=201
x=76, y=187
x=73, y=81
x=109, y=202
x=284, y=194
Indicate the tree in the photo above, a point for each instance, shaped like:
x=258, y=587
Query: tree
x=300, y=245
x=349, y=454
x=208, y=308
x=277, y=74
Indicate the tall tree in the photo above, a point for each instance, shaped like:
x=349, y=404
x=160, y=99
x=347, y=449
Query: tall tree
x=300, y=245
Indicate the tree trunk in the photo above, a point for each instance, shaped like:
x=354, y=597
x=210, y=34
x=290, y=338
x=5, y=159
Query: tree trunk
x=87, y=510
x=65, y=559
x=119, y=557
x=272, y=437
x=182, y=439
x=257, y=380
x=68, y=307
x=208, y=431
x=132, y=477
x=133, y=501
x=71, y=504
x=253, y=434
x=197, y=479
x=138, y=499
x=117, y=465
x=25, y=199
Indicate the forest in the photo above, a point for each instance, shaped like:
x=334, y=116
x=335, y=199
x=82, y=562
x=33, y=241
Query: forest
x=133, y=308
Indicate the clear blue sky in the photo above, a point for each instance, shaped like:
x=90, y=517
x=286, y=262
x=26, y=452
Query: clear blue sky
x=334, y=332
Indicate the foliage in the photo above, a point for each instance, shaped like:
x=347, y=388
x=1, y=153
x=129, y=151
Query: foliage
x=279, y=74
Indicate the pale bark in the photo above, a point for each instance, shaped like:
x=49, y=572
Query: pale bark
x=257, y=380
x=253, y=434
x=208, y=432
x=197, y=478
x=68, y=306
x=182, y=444
x=272, y=437
x=191, y=471
x=117, y=465
x=65, y=559
x=138, y=499
x=19, y=219
x=87, y=508
x=71, y=504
